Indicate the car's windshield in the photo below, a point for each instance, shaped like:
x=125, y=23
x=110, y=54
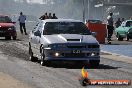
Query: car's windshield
x=129, y=24
x=66, y=28
x=5, y=19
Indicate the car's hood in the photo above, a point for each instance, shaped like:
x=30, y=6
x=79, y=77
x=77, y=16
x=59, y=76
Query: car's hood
x=68, y=38
x=6, y=24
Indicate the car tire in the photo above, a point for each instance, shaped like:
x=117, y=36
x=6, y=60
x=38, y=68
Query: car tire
x=94, y=63
x=127, y=38
x=119, y=37
x=8, y=37
x=31, y=57
x=43, y=62
x=14, y=37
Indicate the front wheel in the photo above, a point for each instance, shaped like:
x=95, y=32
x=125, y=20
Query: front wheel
x=127, y=38
x=43, y=62
x=14, y=37
x=31, y=57
x=119, y=37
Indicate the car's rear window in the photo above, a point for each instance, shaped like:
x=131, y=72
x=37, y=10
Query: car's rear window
x=5, y=19
x=66, y=28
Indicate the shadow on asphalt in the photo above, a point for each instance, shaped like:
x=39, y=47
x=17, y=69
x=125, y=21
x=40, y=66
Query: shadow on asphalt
x=111, y=44
x=102, y=66
x=3, y=40
x=78, y=66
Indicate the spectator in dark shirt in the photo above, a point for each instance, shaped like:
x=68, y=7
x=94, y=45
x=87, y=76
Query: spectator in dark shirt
x=43, y=17
x=118, y=23
x=50, y=17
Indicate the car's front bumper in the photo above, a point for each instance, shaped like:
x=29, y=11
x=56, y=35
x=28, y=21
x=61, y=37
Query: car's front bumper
x=8, y=33
x=67, y=55
x=130, y=35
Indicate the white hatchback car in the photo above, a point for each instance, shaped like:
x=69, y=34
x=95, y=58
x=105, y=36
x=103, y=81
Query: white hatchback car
x=63, y=40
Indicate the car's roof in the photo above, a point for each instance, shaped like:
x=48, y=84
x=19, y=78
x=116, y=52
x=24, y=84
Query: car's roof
x=61, y=20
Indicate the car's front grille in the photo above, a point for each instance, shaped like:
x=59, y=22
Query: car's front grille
x=130, y=32
x=73, y=39
x=76, y=46
x=71, y=55
x=3, y=28
x=84, y=46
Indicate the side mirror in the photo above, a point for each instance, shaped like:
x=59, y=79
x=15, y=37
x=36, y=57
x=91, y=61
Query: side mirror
x=94, y=34
x=37, y=34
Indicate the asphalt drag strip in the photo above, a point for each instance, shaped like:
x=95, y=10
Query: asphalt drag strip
x=14, y=61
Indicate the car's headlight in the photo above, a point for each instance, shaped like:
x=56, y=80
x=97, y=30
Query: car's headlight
x=11, y=28
x=130, y=30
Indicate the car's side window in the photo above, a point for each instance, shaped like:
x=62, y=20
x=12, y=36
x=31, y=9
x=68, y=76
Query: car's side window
x=37, y=33
x=36, y=30
x=128, y=24
x=40, y=27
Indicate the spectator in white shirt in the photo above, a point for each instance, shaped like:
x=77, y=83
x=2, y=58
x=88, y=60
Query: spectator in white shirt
x=110, y=26
x=22, y=19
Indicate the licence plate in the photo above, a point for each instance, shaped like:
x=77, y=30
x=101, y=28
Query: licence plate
x=76, y=51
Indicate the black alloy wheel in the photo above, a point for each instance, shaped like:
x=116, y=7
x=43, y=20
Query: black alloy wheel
x=119, y=37
x=14, y=37
x=31, y=57
x=43, y=62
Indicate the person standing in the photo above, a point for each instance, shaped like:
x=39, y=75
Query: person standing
x=110, y=26
x=118, y=23
x=131, y=18
x=54, y=16
x=43, y=17
x=50, y=17
x=123, y=19
x=22, y=20
x=46, y=16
